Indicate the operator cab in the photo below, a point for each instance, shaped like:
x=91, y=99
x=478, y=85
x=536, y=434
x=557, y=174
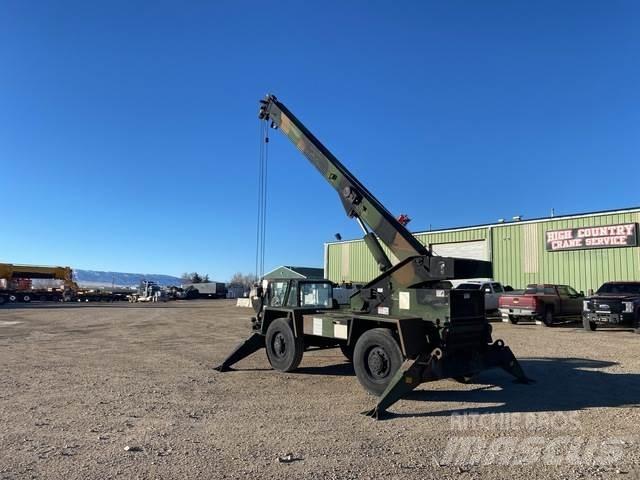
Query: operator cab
x=299, y=293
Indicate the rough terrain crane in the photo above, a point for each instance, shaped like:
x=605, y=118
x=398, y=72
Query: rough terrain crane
x=404, y=327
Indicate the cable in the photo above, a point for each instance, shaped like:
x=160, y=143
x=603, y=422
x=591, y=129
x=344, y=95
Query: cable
x=261, y=222
x=264, y=203
x=260, y=194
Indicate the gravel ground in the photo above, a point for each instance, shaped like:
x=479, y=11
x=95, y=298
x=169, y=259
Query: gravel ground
x=81, y=383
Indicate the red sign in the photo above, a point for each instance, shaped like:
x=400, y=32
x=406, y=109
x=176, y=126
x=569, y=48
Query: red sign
x=610, y=236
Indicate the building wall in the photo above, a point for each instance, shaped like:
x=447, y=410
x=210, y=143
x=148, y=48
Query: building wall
x=518, y=253
x=352, y=261
x=520, y=257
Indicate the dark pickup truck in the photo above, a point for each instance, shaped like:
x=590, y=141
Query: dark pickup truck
x=615, y=303
x=543, y=303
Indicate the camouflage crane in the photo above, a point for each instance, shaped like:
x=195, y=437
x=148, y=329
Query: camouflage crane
x=405, y=327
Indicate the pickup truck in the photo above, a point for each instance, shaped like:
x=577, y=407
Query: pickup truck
x=543, y=303
x=492, y=291
x=614, y=303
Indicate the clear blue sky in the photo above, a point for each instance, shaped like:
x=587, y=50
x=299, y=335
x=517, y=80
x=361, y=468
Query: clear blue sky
x=129, y=137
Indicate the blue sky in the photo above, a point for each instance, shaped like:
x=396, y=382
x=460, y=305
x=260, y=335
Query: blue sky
x=129, y=136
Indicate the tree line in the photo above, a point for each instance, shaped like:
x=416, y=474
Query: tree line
x=245, y=280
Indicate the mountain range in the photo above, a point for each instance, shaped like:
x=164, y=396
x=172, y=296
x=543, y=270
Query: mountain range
x=93, y=278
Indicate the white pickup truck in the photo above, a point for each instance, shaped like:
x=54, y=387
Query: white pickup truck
x=492, y=290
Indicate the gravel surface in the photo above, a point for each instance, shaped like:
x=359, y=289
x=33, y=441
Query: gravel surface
x=120, y=390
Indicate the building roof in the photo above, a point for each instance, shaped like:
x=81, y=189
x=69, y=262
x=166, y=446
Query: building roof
x=289, y=271
x=514, y=222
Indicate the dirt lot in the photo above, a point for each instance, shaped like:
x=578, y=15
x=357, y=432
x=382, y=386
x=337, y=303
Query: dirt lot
x=79, y=383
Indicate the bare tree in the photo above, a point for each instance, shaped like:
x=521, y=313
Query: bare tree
x=244, y=280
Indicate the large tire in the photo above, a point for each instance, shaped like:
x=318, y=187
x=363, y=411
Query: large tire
x=589, y=326
x=513, y=319
x=376, y=359
x=347, y=351
x=284, y=349
x=26, y=298
x=547, y=319
x=3, y=299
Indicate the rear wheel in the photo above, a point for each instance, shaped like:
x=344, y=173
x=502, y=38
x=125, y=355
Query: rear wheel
x=547, y=319
x=284, y=349
x=376, y=359
x=513, y=319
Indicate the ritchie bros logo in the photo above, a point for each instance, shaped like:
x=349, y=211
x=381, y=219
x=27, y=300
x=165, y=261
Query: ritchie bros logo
x=592, y=237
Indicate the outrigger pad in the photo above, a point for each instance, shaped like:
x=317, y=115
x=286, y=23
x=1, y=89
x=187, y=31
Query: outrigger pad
x=252, y=344
x=499, y=355
x=436, y=366
x=409, y=376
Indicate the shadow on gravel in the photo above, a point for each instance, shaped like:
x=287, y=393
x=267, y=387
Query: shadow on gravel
x=562, y=384
x=340, y=369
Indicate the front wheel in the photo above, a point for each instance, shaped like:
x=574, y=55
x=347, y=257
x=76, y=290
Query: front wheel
x=547, y=320
x=347, y=351
x=376, y=359
x=284, y=349
x=588, y=325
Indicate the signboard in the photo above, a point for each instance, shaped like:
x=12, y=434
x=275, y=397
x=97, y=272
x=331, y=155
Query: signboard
x=610, y=236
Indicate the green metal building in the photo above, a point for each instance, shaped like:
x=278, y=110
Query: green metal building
x=582, y=250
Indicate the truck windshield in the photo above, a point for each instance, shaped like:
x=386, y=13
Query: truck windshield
x=315, y=295
x=625, y=288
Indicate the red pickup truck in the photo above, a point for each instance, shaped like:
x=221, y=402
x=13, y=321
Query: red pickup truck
x=543, y=303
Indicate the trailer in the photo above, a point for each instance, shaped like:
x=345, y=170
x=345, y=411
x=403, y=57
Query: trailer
x=206, y=289
x=16, y=283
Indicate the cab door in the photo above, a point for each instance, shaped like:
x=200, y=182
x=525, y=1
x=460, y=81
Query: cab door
x=570, y=301
x=492, y=292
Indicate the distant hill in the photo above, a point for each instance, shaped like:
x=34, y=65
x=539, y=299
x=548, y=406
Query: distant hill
x=95, y=278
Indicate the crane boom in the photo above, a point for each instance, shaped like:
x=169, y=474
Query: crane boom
x=358, y=202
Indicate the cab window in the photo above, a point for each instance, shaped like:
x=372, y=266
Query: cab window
x=497, y=288
x=292, y=300
x=572, y=292
x=278, y=291
x=316, y=295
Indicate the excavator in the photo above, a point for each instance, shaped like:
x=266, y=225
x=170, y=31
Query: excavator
x=405, y=327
